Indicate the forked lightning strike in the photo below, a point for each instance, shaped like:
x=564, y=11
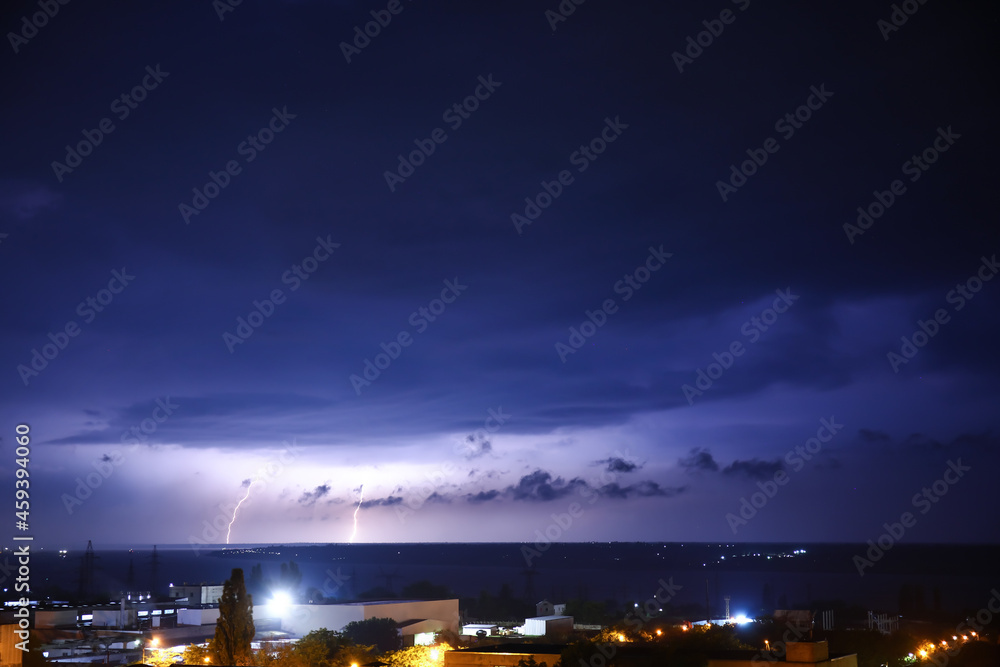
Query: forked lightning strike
x=361, y=499
x=237, y=508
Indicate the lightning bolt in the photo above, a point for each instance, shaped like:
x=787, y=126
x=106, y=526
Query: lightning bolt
x=360, y=500
x=237, y=508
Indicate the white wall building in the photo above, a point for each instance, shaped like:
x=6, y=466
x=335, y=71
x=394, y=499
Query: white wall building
x=414, y=616
x=200, y=616
x=542, y=626
x=197, y=594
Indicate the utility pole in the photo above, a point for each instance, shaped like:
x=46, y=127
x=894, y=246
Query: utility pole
x=708, y=605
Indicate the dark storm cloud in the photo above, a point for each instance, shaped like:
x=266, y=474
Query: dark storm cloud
x=309, y=498
x=206, y=420
x=754, y=468
x=698, y=459
x=647, y=489
x=986, y=440
x=483, y=496
x=474, y=447
x=871, y=435
x=541, y=486
x=829, y=463
x=22, y=201
x=388, y=501
x=618, y=464
x=920, y=442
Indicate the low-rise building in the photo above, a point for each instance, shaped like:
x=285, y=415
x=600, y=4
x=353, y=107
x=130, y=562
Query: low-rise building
x=797, y=654
x=504, y=655
x=547, y=626
x=197, y=594
x=415, y=617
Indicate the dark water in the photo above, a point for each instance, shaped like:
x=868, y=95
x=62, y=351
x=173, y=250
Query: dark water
x=954, y=579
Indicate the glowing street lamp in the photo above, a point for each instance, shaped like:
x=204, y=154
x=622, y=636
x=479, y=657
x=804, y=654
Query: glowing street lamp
x=154, y=642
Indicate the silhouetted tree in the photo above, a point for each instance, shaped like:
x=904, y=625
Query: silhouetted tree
x=235, y=629
x=257, y=584
x=290, y=577
x=381, y=632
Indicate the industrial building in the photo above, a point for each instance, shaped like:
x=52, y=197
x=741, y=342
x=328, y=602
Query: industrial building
x=197, y=594
x=797, y=654
x=504, y=655
x=547, y=626
x=418, y=619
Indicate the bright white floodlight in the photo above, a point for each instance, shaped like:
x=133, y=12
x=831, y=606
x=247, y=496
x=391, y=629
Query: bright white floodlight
x=280, y=602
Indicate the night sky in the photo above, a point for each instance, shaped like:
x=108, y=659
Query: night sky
x=596, y=270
